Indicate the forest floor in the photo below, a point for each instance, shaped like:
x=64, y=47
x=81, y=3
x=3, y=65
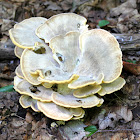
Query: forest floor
x=17, y=123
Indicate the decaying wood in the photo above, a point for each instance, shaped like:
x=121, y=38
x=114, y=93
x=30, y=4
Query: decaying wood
x=7, y=77
x=7, y=50
x=7, y=54
x=128, y=41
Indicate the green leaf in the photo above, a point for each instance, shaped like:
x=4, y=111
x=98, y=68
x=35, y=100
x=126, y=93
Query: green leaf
x=92, y=129
x=130, y=61
x=103, y=23
x=7, y=88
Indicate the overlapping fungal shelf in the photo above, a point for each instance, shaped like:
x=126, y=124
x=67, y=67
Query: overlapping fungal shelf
x=64, y=66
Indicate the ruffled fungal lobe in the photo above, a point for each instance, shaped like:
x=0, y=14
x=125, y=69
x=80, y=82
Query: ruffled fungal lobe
x=64, y=67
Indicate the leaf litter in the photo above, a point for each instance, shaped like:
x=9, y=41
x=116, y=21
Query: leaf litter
x=15, y=123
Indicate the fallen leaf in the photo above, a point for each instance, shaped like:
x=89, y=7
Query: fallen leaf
x=103, y=23
x=129, y=6
x=133, y=68
x=136, y=127
x=123, y=136
x=108, y=121
x=73, y=130
x=127, y=17
x=29, y=118
x=7, y=88
x=124, y=113
x=138, y=138
x=52, y=6
x=92, y=129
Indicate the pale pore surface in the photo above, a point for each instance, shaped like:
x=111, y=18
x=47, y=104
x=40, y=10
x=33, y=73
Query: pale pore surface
x=73, y=102
x=79, y=93
x=23, y=34
x=36, y=92
x=61, y=24
x=54, y=111
x=83, y=81
x=47, y=85
x=17, y=80
x=66, y=50
x=19, y=72
x=80, y=116
x=100, y=55
x=108, y=88
x=20, y=75
x=38, y=68
x=58, y=76
x=33, y=63
x=18, y=51
x=86, y=91
x=30, y=62
x=34, y=105
x=76, y=111
x=63, y=89
x=27, y=101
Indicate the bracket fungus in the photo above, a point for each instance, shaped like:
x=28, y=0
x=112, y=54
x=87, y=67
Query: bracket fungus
x=64, y=66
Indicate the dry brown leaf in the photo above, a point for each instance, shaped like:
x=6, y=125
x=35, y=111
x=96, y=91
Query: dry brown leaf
x=124, y=8
x=29, y=118
x=73, y=130
x=127, y=17
x=111, y=116
x=123, y=136
x=138, y=138
x=108, y=121
x=136, y=127
x=124, y=113
x=18, y=0
x=133, y=68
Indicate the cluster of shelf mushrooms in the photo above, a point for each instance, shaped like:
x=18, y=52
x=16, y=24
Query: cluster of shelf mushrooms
x=64, y=66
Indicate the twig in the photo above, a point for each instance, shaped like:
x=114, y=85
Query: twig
x=13, y=114
x=6, y=77
x=119, y=98
x=10, y=20
x=117, y=130
x=128, y=41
